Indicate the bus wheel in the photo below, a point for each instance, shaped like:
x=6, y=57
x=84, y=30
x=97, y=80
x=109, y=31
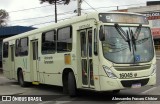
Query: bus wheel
x=116, y=91
x=71, y=85
x=21, y=79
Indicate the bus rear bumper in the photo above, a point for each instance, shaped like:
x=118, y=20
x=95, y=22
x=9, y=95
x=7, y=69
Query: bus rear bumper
x=108, y=84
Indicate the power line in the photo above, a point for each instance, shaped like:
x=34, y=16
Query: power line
x=90, y=5
x=28, y=9
x=42, y=23
x=113, y=6
x=49, y=22
x=69, y=12
x=83, y=9
x=65, y=12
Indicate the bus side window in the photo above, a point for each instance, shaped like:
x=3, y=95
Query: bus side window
x=49, y=42
x=64, y=39
x=5, y=49
x=23, y=49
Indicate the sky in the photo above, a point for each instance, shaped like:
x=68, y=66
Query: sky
x=20, y=14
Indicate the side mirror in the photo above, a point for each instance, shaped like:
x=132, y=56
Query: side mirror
x=101, y=34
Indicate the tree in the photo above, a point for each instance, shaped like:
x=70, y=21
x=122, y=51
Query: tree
x=3, y=17
x=55, y=2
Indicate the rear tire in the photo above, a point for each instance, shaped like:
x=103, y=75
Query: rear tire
x=71, y=85
x=21, y=79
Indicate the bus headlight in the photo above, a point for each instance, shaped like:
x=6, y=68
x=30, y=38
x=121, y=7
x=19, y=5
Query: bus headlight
x=109, y=72
x=154, y=69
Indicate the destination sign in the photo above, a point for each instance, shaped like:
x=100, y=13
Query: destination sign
x=122, y=18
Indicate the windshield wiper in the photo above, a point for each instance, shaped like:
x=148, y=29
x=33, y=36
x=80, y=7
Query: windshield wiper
x=138, y=30
x=124, y=35
x=121, y=32
x=129, y=41
x=133, y=39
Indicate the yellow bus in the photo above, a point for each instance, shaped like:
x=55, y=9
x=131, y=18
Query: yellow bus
x=98, y=51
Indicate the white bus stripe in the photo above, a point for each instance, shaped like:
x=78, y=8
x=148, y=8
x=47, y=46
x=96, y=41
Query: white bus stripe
x=148, y=90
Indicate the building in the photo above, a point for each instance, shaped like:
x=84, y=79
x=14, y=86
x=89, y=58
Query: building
x=10, y=31
x=152, y=12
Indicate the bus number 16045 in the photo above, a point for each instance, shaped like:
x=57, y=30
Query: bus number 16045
x=126, y=75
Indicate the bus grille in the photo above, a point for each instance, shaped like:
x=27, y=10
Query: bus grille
x=133, y=68
x=129, y=83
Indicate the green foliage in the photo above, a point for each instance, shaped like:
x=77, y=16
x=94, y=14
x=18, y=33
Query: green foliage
x=3, y=17
x=56, y=1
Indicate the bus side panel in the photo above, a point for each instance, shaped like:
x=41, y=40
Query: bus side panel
x=6, y=69
x=23, y=63
x=51, y=66
x=6, y=65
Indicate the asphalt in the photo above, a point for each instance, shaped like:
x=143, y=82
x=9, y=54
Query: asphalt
x=152, y=93
x=9, y=87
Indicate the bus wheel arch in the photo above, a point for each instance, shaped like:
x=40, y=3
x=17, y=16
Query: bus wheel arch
x=18, y=71
x=69, y=82
x=20, y=77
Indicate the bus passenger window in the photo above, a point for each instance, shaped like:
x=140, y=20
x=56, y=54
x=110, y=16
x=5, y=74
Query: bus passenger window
x=5, y=49
x=83, y=44
x=48, y=42
x=23, y=47
x=64, y=39
x=90, y=42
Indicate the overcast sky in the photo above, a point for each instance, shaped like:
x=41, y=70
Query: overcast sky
x=18, y=17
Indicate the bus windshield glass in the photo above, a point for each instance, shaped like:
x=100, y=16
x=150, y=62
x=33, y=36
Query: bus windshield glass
x=123, y=18
x=130, y=50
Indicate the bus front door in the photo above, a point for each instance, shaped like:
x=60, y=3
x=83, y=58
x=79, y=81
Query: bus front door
x=86, y=58
x=34, y=62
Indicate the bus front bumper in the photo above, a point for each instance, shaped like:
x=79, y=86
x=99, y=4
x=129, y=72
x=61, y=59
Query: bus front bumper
x=108, y=84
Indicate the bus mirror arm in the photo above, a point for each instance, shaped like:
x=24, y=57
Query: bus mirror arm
x=101, y=33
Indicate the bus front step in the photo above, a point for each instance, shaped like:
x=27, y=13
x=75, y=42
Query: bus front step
x=35, y=83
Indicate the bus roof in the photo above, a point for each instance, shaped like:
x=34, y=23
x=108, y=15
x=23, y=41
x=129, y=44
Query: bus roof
x=63, y=23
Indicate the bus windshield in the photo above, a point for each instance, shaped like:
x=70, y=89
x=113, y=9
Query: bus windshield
x=130, y=50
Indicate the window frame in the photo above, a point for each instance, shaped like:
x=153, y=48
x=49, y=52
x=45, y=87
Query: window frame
x=7, y=50
x=55, y=41
x=71, y=37
x=20, y=53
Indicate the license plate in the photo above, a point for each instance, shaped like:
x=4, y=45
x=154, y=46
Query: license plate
x=137, y=85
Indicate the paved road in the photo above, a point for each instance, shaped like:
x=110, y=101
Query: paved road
x=8, y=87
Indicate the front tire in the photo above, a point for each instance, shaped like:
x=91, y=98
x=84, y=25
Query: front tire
x=116, y=91
x=71, y=85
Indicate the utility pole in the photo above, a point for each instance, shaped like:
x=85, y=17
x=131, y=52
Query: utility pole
x=117, y=7
x=79, y=7
x=55, y=11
